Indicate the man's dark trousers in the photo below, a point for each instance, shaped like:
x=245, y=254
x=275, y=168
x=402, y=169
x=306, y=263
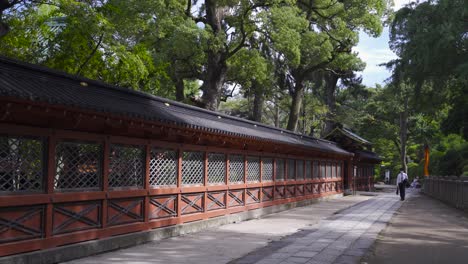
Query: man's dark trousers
x=402, y=187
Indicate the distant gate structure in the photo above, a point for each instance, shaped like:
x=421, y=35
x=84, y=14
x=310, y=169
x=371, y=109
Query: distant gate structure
x=82, y=160
x=360, y=173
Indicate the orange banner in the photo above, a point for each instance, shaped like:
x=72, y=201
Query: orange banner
x=426, y=160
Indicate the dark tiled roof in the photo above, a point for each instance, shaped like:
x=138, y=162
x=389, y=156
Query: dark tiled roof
x=355, y=136
x=40, y=84
x=348, y=133
x=368, y=155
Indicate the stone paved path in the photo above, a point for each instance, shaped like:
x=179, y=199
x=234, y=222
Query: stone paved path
x=343, y=238
x=311, y=234
x=423, y=231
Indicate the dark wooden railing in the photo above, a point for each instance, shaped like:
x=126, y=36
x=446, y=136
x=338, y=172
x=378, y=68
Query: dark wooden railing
x=450, y=189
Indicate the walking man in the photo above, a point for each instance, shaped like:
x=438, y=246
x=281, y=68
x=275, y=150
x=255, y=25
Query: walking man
x=401, y=181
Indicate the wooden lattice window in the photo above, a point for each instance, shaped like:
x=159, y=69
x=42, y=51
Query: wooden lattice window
x=291, y=169
x=216, y=168
x=126, y=166
x=338, y=173
x=236, y=168
x=322, y=170
x=333, y=170
x=308, y=168
x=253, y=169
x=78, y=166
x=280, y=164
x=163, y=167
x=22, y=166
x=193, y=169
x=267, y=169
x=300, y=169
x=315, y=170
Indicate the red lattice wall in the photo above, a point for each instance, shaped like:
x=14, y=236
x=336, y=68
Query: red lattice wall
x=60, y=187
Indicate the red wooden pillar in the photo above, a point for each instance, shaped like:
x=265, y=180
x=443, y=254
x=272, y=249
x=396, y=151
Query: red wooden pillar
x=286, y=168
x=274, y=179
x=147, y=181
x=179, y=184
x=244, y=195
x=260, y=194
x=105, y=179
x=319, y=184
x=351, y=177
x=342, y=175
x=227, y=180
x=205, y=182
x=319, y=165
x=52, y=142
x=304, y=168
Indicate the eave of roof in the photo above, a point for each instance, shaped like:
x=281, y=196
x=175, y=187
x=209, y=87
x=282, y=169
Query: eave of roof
x=349, y=134
x=40, y=84
x=368, y=155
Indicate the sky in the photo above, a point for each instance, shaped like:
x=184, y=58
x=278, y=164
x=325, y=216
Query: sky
x=375, y=51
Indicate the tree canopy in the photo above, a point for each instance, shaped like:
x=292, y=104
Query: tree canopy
x=287, y=63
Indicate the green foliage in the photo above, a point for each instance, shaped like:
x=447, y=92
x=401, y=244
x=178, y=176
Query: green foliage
x=247, y=66
x=450, y=156
x=286, y=25
x=237, y=106
x=97, y=41
x=430, y=40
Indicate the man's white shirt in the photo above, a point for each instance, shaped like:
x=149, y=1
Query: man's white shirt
x=401, y=177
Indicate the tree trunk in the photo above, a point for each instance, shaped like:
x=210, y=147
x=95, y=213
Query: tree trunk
x=4, y=5
x=404, y=134
x=277, y=112
x=3, y=29
x=312, y=130
x=257, y=103
x=213, y=84
x=295, y=109
x=216, y=67
x=331, y=81
x=179, y=85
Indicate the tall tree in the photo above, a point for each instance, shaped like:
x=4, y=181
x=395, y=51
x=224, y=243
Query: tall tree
x=229, y=25
x=252, y=69
x=430, y=40
x=313, y=34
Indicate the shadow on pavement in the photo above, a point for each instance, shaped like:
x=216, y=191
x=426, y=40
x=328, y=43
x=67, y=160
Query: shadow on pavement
x=423, y=230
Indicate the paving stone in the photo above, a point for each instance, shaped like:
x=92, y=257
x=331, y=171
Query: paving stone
x=325, y=240
x=355, y=252
x=314, y=261
x=279, y=255
x=269, y=261
x=338, y=246
x=302, y=241
x=333, y=236
x=306, y=254
x=297, y=259
x=363, y=243
x=317, y=246
x=332, y=251
x=291, y=249
x=325, y=257
x=343, y=259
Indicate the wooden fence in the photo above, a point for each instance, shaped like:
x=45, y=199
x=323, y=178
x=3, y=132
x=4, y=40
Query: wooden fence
x=450, y=189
